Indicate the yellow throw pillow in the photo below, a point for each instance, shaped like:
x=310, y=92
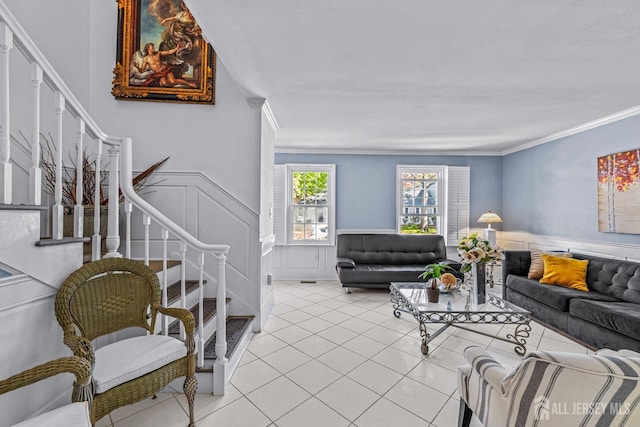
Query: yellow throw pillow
x=568, y=272
x=536, y=269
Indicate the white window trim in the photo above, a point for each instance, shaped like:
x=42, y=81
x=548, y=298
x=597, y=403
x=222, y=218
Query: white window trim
x=445, y=198
x=331, y=198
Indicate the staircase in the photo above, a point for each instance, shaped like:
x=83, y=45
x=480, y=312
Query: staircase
x=51, y=260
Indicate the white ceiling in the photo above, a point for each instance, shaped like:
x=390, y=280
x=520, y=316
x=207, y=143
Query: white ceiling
x=455, y=76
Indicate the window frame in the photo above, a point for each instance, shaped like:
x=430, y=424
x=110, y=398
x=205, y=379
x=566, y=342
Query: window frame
x=441, y=194
x=330, y=169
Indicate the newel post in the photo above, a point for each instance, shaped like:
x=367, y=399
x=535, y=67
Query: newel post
x=6, y=174
x=219, y=381
x=113, y=231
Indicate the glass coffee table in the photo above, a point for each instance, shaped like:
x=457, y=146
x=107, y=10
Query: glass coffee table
x=456, y=309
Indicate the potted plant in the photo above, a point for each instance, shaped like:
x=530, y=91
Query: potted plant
x=432, y=273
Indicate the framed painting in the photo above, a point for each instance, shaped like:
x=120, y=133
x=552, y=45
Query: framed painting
x=619, y=192
x=161, y=54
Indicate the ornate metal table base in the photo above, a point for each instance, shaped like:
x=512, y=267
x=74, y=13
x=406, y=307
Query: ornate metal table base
x=457, y=318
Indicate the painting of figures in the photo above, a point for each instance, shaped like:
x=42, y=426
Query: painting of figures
x=162, y=55
x=619, y=192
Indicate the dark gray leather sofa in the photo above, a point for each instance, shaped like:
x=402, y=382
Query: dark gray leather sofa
x=608, y=316
x=375, y=260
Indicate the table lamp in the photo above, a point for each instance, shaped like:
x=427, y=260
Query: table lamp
x=489, y=233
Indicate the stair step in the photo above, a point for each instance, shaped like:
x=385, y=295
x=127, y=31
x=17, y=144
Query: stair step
x=236, y=328
x=156, y=264
x=174, y=289
x=48, y=241
x=208, y=313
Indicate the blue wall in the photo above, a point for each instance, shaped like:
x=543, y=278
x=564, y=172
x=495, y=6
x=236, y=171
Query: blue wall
x=552, y=189
x=365, y=185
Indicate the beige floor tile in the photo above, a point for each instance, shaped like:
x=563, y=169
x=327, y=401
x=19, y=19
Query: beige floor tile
x=207, y=403
x=261, y=345
x=292, y=334
x=448, y=415
x=417, y=398
x=375, y=377
x=357, y=325
x=364, y=346
x=385, y=413
x=313, y=376
x=348, y=398
x=315, y=324
x=352, y=310
x=396, y=360
x=342, y=360
x=169, y=413
x=255, y=374
x=446, y=358
x=312, y=413
x=275, y=323
x=240, y=413
x=314, y=345
x=376, y=317
x=127, y=411
x=104, y=422
x=384, y=335
x=286, y=359
x=247, y=357
x=338, y=334
x=278, y=397
x=295, y=316
x=315, y=309
x=335, y=316
x=435, y=376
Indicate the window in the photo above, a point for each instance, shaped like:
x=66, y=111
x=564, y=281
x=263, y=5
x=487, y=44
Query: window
x=433, y=200
x=308, y=203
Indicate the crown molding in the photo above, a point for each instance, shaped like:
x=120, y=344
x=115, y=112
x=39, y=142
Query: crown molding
x=395, y=152
x=621, y=115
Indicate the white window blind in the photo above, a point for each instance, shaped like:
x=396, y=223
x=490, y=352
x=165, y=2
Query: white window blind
x=458, y=193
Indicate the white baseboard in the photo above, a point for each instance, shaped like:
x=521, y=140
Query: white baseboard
x=513, y=240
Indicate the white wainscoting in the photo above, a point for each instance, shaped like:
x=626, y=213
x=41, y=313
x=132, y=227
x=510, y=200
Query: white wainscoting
x=511, y=240
x=213, y=215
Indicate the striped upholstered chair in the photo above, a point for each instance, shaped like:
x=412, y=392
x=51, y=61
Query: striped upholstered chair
x=550, y=389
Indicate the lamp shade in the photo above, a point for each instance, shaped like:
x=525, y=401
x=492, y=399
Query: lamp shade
x=489, y=217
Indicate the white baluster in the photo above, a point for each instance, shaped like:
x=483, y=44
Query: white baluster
x=146, y=221
x=78, y=210
x=96, y=246
x=59, y=105
x=6, y=174
x=128, y=208
x=165, y=274
x=35, y=173
x=183, y=283
x=221, y=327
x=201, y=313
x=113, y=232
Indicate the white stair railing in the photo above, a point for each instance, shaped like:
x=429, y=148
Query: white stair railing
x=119, y=150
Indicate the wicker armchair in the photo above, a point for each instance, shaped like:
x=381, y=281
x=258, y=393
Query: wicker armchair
x=110, y=295
x=71, y=415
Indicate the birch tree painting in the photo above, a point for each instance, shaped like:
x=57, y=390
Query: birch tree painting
x=619, y=193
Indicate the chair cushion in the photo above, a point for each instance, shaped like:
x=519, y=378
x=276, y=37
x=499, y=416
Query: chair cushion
x=72, y=415
x=134, y=357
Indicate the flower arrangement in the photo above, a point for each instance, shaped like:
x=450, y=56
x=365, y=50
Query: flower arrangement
x=476, y=250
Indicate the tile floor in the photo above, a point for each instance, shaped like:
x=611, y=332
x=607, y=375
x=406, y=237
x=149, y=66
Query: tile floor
x=327, y=358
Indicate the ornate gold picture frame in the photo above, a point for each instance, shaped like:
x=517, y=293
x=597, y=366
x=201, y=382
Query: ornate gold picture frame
x=161, y=54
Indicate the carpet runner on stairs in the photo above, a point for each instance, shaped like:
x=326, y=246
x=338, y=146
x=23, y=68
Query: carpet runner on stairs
x=236, y=326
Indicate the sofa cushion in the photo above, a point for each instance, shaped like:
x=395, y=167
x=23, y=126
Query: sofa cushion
x=622, y=317
x=536, y=268
x=567, y=272
x=553, y=296
x=134, y=357
x=392, y=249
x=620, y=279
x=72, y=415
x=371, y=273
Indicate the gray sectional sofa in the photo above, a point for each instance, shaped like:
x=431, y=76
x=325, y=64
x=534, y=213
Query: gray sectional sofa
x=375, y=260
x=608, y=316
